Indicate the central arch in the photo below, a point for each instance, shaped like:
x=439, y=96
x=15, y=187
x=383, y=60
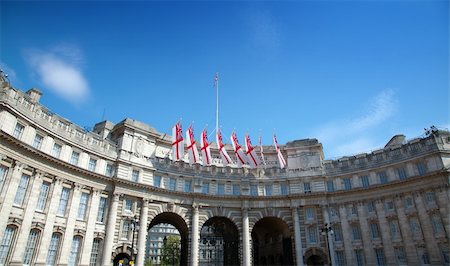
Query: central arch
x=219, y=242
x=272, y=242
x=179, y=223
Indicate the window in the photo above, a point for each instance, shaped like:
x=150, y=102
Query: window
x=415, y=227
x=3, y=172
x=409, y=203
x=63, y=201
x=101, y=210
x=337, y=233
x=43, y=194
x=359, y=257
x=157, y=181
x=5, y=245
x=135, y=176
x=347, y=183
x=374, y=230
x=172, y=183
x=429, y=197
x=380, y=257
x=340, y=258
x=21, y=190
x=125, y=229
x=400, y=255
x=128, y=204
x=75, y=251
x=309, y=213
x=421, y=168
x=284, y=189
x=53, y=249
x=389, y=206
x=307, y=187
x=370, y=207
x=236, y=190
x=312, y=235
x=423, y=255
x=253, y=190
x=383, y=177
x=95, y=252
x=56, y=151
x=445, y=253
x=401, y=172
x=74, y=158
x=109, y=169
x=365, y=181
x=436, y=222
x=356, y=232
x=220, y=189
x=268, y=190
x=37, y=142
x=187, y=185
x=330, y=186
x=83, y=206
x=18, y=130
x=205, y=188
x=92, y=164
x=394, y=227
x=33, y=238
x=334, y=212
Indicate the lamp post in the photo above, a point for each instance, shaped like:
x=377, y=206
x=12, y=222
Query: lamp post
x=325, y=231
x=134, y=227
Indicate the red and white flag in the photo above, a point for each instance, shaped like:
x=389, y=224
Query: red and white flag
x=261, y=151
x=252, y=158
x=191, y=147
x=223, y=153
x=240, y=155
x=177, y=142
x=280, y=156
x=204, y=148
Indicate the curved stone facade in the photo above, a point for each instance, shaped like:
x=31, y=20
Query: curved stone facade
x=69, y=197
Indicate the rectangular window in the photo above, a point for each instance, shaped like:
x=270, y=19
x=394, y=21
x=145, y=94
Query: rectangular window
x=284, y=189
x=95, y=252
x=415, y=227
x=125, y=229
x=347, y=183
x=101, y=210
x=92, y=165
x=135, y=176
x=409, y=203
x=56, y=151
x=394, y=228
x=429, y=197
x=31, y=247
x=187, y=185
x=83, y=206
x=5, y=245
x=18, y=130
x=109, y=170
x=423, y=255
x=74, y=158
x=389, y=206
x=220, y=189
x=356, y=232
x=400, y=256
x=312, y=235
x=157, y=181
x=268, y=190
x=340, y=258
x=309, y=213
x=370, y=207
x=445, y=253
x=53, y=249
x=75, y=251
x=37, y=142
x=330, y=186
x=128, y=204
x=172, y=183
x=374, y=230
x=421, y=168
x=253, y=190
x=380, y=257
x=63, y=201
x=337, y=233
x=307, y=187
x=383, y=177
x=236, y=190
x=21, y=190
x=436, y=223
x=43, y=194
x=401, y=172
x=359, y=257
x=365, y=181
x=205, y=188
x=3, y=172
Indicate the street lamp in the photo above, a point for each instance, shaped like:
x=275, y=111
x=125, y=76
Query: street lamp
x=134, y=227
x=325, y=231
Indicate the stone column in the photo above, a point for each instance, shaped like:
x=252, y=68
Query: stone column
x=385, y=232
x=297, y=237
x=410, y=249
x=90, y=226
x=194, y=236
x=5, y=209
x=346, y=234
x=246, y=238
x=365, y=234
x=25, y=228
x=110, y=228
x=442, y=201
x=143, y=231
x=329, y=237
x=49, y=222
x=70, y=225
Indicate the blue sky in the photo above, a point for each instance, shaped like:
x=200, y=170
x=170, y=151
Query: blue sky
x=349, y=73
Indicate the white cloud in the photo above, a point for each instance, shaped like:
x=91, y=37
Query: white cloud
x=60, y=71
x=11, y=74
x=264, y=31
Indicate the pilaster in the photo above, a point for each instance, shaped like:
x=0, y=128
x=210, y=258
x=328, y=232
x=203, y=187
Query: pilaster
x=411, y=254
x=110, y=228
x=143, y=231
x=245, y=238
x=297, y=237
x=365, y=234
x=329, y=237
x=194, y=236
x=346, y=234
x=90, y=226
x=385, y=233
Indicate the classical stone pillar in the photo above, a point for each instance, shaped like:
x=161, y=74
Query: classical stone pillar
x=5, y=209
x=246, y=238
x=49, y=222
x=194, y=236
x=410, y=249
x=297, y=237
x=346, y=234
x=24, y=232
x=70, y=225
x=442, y=200
x=365, y=235
x=329, y=237
x=385, y=233
x=90, y=226
x=143, y=231
x=110, y=228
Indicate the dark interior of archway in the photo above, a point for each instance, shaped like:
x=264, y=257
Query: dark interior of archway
x=219, y=242
x=315, y=260
x=124, y=257
x=272, y=244
x=180, y=225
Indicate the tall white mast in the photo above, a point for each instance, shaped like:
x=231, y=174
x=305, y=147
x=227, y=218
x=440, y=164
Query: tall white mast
x=216, y=82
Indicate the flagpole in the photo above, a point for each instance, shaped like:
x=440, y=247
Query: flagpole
x=217, y=101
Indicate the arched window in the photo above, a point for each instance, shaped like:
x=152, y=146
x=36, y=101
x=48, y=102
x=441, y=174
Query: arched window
x=30, y=249
x=75, y=251
x=5, y=245
x=53, y=249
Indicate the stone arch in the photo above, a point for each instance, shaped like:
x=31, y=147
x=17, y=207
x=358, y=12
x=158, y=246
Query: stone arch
x=315, y=256
x=256, y=216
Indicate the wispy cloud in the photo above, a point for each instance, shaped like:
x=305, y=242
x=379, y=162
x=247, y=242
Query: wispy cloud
x=60, y=70
x=355, y=135
x=11, y=74
x=264, y=31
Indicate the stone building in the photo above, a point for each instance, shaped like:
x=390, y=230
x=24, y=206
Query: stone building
x=70, y=197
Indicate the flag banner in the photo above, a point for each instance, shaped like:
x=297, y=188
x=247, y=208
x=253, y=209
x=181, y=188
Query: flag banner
x=191, y=147
x=204, y=148
x=280, y=156
x=261, y=151
x=223, y=153
x=252, y=158
x=177, y=142
x=240, y=155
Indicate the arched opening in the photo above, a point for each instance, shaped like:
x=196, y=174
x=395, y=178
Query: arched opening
x=167, y=240
x=315, y=256
x=122, y=259
x=219, y=242
x=272, y=244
